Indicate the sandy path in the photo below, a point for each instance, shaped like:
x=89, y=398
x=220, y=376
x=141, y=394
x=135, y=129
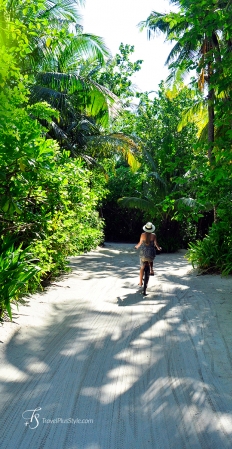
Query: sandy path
x=115, y=370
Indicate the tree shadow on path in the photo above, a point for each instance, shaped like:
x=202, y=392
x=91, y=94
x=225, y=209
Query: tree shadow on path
x=143, y=369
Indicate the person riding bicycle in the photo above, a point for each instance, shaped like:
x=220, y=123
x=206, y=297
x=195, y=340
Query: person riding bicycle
x=147, y=244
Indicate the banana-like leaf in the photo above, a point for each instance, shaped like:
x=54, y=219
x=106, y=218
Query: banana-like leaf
x=150, y=159
x=139, y=203
x=190, y=202
x=159, y=181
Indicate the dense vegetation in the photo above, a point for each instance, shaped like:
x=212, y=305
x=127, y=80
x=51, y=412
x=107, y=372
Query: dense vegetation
x=202, y=36
x=84, y=156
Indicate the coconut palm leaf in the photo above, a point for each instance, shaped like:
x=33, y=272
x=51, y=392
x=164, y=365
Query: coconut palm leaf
x=85, y=46
x=179, y=54
x=196, y=114
x=120, y=143
x=57, y=9
x=70, y=83
x=155, y=24
x=56, y=99
x=62, y=9
x=63, y=90
x=114, y=138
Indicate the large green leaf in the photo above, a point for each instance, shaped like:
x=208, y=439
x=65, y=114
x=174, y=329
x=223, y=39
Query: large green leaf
x=139, y=203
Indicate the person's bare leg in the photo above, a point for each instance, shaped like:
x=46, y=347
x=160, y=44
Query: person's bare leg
x=151, y=268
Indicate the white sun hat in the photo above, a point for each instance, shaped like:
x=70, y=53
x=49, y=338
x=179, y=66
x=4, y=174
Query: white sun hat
x=149, y=227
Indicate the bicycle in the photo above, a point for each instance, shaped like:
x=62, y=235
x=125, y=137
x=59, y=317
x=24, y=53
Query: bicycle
x=146, y=275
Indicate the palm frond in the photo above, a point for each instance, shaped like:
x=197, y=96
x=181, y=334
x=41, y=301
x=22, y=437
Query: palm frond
x=186, y=57
x=84, y=124
x=91, y=161
x=196, y=114
x=62, y=9
x=173, y=53
x=175, y=80
x=91, y=97
x=203, y=134
x=53, y=97
x=121, y=143
x=60, y=135
x=61, y=82
x=79, y=48
x=155, y=24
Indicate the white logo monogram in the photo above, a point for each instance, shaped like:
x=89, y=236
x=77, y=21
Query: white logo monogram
x=31, y=418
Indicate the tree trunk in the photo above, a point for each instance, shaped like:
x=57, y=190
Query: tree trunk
x=211, y=95
x=210, y=123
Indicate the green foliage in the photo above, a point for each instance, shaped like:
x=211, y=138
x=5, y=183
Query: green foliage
x=48, y=202
x=165, y=158
x=73, y=225
x=202, y=42
x=214, y=252
x=16, y=270
x=50, y=108
x=46, y=196
x=116, y=76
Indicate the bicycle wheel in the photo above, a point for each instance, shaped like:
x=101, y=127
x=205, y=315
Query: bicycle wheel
x=146, y=277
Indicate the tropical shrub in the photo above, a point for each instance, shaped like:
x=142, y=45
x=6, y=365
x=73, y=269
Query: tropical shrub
x=16, y=270
x=74, y=225
x=214, y=252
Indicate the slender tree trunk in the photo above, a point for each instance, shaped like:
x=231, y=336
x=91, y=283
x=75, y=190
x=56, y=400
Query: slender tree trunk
x=211, y=95
x=210, y=123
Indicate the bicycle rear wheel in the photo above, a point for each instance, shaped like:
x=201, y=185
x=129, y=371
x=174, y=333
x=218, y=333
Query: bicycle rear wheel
x=146, y=277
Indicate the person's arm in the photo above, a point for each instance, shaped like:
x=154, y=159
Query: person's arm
x=140, y=242
x=157, y=244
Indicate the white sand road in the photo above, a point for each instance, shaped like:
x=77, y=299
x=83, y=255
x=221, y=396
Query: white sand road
x=92, y=364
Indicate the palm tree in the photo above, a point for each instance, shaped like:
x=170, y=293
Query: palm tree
x=202, y=42
x=60, y=67
x=195, y=48
x=59, y=49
